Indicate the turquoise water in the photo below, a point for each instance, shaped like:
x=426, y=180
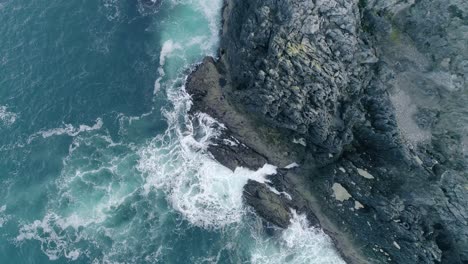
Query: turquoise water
x=99, y=161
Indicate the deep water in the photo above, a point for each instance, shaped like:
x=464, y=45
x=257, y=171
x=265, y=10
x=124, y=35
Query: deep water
x=99, y=161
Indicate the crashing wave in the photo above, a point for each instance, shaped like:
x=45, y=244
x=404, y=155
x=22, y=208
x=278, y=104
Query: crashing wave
x=299, y=243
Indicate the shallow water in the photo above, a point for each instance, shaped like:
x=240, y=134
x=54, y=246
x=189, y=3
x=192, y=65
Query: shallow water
x=99, y=161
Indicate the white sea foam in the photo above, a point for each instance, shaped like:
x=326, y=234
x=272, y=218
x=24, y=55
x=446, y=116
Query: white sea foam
x=206, y=193
x=168, y=49
x=184, y=45
x=6, y=117
x=111, y=9
x=67, y=129
x=211, y=10
x=99, y=178
x=275, y=191
x=3, y=217
x=299, y=243
x=54, y=241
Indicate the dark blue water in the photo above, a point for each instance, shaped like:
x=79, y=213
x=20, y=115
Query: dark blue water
x=99, y=161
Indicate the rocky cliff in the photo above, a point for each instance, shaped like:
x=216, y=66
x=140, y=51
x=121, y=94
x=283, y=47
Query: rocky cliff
x=368, y=97
x=300, y=64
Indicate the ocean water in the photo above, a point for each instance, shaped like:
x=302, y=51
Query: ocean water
x=99, y=160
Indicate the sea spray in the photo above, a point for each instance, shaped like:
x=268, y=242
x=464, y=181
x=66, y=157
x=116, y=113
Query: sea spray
x=205, y=192
x=299, y=243
x=162, y=199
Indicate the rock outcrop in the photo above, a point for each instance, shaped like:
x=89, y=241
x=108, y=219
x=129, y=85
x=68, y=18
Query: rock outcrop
x=300, y=65
x=367, y=97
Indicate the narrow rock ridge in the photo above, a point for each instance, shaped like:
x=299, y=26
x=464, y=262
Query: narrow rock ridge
x=320, y=83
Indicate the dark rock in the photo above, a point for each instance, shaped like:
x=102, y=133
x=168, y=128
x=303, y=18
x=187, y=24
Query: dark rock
x=298, y=64
x=267, y=204
x=330, y=72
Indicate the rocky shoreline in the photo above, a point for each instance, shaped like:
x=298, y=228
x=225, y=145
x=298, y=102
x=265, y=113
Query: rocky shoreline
x=309, y=83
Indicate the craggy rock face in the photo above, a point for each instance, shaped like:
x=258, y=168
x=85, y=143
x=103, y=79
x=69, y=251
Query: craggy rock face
x=424, y=45
x=381, y=83
x=423, y=49
x=300, y=64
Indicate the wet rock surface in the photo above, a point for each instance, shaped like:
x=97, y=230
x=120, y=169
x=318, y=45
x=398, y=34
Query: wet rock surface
x=388, y=183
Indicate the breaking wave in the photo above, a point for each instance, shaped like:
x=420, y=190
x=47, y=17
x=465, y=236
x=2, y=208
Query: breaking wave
x=205, y=192
x=299, y=243
x=125, y=202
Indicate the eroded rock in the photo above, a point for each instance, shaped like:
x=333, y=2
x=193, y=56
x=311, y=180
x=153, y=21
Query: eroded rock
x=323, y=71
